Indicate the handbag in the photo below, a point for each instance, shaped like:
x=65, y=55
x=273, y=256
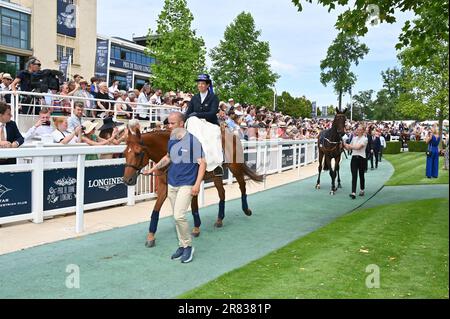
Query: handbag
x=428, y=152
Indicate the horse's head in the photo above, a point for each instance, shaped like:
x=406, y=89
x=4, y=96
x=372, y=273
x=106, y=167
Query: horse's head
x=339, y=121
x=137, y=157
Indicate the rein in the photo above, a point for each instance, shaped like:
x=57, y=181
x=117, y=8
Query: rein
x=141, y=162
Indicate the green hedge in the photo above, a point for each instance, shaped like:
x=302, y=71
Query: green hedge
x=392, y=148
x=417, y=146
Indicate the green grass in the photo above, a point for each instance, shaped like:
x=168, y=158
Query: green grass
x=410, y=170
x=408, y=242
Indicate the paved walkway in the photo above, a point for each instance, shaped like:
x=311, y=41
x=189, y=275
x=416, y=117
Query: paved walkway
x=115, y=263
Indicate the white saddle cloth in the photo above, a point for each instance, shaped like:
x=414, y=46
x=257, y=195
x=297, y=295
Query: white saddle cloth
x=209, y=135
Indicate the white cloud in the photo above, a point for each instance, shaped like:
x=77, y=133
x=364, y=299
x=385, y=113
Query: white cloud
x=278, y=66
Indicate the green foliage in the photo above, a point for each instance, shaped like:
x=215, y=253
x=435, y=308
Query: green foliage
x=240, y=64
x=295, y=107
x=179, y=53
x=362, y=105
x=344, y=51
x=431, y=25
x=392, y=148
x=417, y=146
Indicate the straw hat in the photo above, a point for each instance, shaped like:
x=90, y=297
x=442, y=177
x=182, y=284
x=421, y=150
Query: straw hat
x=88, y=126
x=7, y=76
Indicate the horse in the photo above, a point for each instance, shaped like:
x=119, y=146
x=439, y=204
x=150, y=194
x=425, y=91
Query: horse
x=330, y=147
x=141, y=148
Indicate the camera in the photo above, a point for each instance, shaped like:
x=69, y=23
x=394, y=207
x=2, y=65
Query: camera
x=47, y=123
x=45, y=80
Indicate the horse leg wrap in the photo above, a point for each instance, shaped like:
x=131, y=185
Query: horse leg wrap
x=197, y=221
x=154, y=222
x=222, y=210
x=244, y=203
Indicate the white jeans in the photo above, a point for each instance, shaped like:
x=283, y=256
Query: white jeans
x=210, y=136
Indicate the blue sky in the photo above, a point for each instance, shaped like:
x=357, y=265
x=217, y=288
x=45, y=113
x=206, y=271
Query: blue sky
x=298, y=40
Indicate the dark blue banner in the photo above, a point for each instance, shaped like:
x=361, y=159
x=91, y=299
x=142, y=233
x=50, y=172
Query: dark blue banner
x=130, y=66
x=66, y=18
x=64, y=66
x=287, y=159
x=129, y=80
x=102, y=55
x=101, y=184
x=104, y=183
x=60, y=188
x=15, y=194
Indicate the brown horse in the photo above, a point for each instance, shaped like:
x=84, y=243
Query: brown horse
x=330, y=147
x=153, y=146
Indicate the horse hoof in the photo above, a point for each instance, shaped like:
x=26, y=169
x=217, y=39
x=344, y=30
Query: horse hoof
x=332, y=193
x=317, y=186
x=248, y=212
x=196, y=232
x=218, y=224
x=150, y=243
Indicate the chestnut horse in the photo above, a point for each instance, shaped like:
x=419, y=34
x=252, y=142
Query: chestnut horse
x=141, y=148
x=330, y=147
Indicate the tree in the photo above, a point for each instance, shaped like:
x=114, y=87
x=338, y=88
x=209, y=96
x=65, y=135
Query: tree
x=426, y=94
x=363, y=105
x=344, y=51
x=295, y=107
x=240, y=63
x=431, y=26
x=179, y=53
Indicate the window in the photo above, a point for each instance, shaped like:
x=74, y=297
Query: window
x=59, y=52
x=15, y=28
x=70, y=52
x=62, y=51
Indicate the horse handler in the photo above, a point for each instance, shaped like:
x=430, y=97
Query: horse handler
x=185, y=175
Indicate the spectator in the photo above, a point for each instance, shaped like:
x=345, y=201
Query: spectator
x=131, y=102
x=134, y=126
x=23, y=81
x=231, y=105
x=383, y=146
x=62, y=136
x=42, y=127
x=77, y=78
x=433, y=140
x=143, y=103
x=156, y=98
x=84, y=93
x=93, y=89
x=113, y=88
x=238, y=110
x=5, y=86
x=89, y=137
x=104, y=108
x=77, y=118
x=251, y=117
x=10, y=136
x=121, y=109
x=376, y=146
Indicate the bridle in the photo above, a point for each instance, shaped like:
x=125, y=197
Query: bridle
x=141, y=156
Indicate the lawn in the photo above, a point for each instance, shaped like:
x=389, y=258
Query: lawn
x=408, y=242
x=410, y=170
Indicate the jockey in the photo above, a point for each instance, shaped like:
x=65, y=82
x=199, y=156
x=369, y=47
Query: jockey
x=203, y=124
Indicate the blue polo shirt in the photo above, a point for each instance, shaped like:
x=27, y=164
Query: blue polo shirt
x=184, y=155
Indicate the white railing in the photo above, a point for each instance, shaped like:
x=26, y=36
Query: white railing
x=266, y=157
x=155, y=113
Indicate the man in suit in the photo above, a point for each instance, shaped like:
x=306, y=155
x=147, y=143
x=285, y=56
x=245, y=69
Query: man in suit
x=204, y=125
x=10, y=136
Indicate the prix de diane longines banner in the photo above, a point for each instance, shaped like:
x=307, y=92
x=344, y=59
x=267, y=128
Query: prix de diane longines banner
x=60, y=187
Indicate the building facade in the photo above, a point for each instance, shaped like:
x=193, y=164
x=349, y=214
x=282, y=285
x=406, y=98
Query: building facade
x=48, y=30
x=124, y=61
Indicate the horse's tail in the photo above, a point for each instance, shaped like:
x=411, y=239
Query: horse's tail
x=250, y=173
